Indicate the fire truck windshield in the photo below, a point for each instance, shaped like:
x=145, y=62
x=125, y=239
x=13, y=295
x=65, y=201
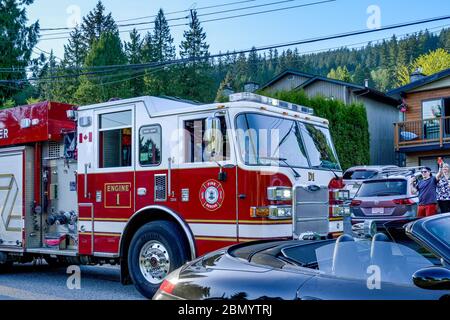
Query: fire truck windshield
x=265, y=140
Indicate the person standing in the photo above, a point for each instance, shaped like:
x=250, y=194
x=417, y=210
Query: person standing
x=427, y=193
x=443, y=188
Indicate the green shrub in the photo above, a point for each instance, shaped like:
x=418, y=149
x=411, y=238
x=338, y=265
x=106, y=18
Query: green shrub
x=348, y=125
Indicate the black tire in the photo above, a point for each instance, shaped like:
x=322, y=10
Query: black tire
x=169, y=235
x=6, y=267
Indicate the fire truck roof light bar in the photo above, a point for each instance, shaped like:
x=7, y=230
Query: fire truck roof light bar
x=248, y=96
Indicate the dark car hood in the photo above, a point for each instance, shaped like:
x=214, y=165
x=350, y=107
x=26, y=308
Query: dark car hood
x=218, y=275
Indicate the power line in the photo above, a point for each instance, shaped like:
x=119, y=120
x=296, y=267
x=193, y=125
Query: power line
x=215, y=19
x=263, y=48
x=154, y=16
x=188, y=10
x=268, y=11
x=144, y=72
x=438, y=28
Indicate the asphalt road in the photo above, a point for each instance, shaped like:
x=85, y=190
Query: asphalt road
x=42, y=282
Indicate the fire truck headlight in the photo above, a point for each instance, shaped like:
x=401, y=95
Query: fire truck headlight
x=272, y=212
x=279, y=193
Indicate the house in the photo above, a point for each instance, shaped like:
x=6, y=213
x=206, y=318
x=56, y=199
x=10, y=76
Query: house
x=382, y=110
x=423, y=135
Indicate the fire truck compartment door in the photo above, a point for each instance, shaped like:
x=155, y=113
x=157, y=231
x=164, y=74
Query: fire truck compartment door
x=11, y=197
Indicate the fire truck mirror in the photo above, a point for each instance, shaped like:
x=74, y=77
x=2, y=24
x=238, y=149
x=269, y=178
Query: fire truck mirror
x=213, y=136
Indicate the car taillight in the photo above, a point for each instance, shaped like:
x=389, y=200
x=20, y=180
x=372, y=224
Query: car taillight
x=334, y=186
x=355, y=203
x=336, y=183
x=167, y=286
x=406, y=202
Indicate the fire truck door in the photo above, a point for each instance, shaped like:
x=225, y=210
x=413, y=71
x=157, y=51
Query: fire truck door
x=114, y=179
x=207, y=187
x=11, y=196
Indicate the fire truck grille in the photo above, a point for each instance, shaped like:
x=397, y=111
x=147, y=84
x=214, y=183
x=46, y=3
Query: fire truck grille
x=310, y=209
x=54, y=150
x=160, y=187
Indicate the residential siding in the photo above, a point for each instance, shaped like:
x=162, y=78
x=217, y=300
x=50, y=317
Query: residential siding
x=414, y=101
x=287, y=83
x=413, y=159
x=381, y=119
x=327, y=89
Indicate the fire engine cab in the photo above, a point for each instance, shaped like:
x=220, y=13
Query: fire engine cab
x=150, y=183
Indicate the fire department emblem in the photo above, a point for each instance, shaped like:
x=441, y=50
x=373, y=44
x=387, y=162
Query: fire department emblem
x=212, y=195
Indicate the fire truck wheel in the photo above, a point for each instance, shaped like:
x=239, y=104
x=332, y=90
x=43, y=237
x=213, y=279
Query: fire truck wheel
x=156, y=249
x=55, y=262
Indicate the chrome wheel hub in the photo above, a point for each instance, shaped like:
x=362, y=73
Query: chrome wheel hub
x=154, y=262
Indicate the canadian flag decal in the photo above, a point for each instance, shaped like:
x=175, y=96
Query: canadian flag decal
x=85, y=137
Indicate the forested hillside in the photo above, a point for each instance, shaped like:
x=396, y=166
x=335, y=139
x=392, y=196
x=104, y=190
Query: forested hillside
x=85, y=73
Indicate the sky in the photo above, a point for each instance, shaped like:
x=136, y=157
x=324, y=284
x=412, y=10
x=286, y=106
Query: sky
x=258, y=30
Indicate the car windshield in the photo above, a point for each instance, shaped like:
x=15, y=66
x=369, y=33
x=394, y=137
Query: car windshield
x=359, y=175
x=264, y=140
x=378, y=188
x=388, y=261
x=440, y=228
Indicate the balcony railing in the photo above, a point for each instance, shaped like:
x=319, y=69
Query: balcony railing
x=422, y=132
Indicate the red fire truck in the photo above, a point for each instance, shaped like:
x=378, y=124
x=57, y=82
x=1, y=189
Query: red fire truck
x=149, y=183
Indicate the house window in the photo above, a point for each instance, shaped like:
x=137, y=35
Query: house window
x=432, y=109
x=115, y=139
x=150, y=145
x=195, y=147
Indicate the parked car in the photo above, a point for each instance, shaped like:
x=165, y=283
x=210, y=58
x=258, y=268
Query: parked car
x=353, y=177
x=383, y=200
x=326, y=269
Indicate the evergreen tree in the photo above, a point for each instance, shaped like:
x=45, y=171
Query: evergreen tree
x=133, y=48
x=75, y=51
x=160, y=82
x=96, y=23
x=162, y=39
x=195, y=76
x=194, y=45
x=17, y=41
x=253, y=65
x=107, y=50
x=133, y=51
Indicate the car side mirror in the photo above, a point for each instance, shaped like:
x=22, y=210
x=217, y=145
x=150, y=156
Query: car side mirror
x=433, y=278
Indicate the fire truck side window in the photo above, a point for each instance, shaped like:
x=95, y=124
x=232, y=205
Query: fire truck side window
x=194, y=142
x=115, y=140
x=150, y=146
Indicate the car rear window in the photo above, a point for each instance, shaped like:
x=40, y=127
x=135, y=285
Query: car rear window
x=379, y=188
x=359, y=174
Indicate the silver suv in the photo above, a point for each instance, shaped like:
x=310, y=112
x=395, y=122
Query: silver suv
x=354, y=176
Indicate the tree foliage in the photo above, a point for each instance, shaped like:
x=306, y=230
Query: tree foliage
x=340, y=73
x=428, y=64
x=107, y=50
x=17, y=40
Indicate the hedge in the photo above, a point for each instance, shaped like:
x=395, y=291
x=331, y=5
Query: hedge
x=348, y=125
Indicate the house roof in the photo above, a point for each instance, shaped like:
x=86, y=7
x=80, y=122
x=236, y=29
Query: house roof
x=419, y=83
x=357, y=89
